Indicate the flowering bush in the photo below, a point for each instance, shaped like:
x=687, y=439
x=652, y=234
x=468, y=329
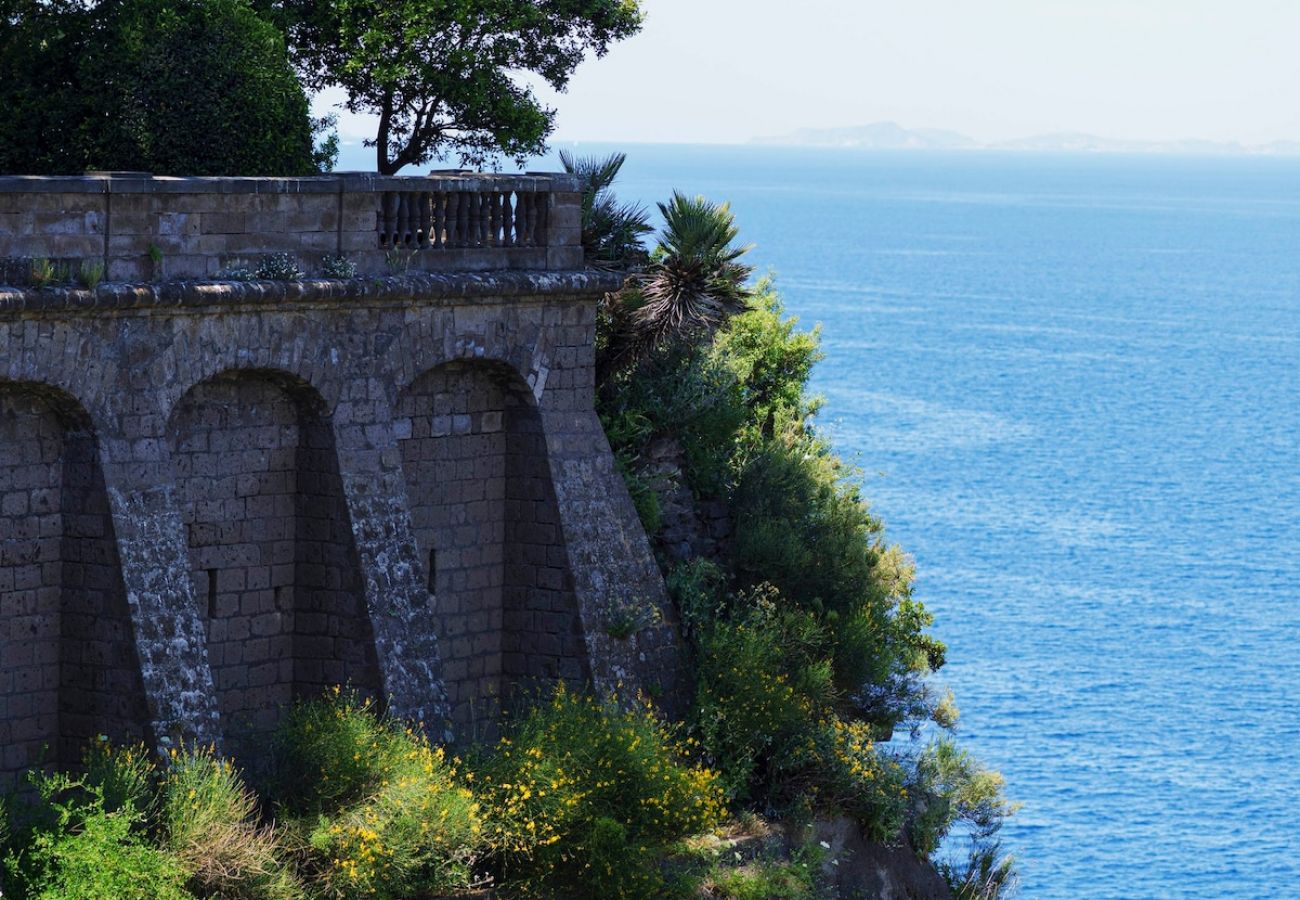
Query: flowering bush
x=209, y=820
x=379, y=811
x=760, y=692
x=858, y=778
x=338, y=267
x=280, y=267
x=583, y=794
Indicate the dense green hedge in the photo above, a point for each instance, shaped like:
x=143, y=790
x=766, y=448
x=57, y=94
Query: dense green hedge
x=197, y=87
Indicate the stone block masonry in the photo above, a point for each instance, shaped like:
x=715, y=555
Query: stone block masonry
x=218, y=497
x=142, y=228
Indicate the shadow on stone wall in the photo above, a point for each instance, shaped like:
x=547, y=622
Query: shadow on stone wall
x=68, y=665
x=273, y=563
x=484, y=514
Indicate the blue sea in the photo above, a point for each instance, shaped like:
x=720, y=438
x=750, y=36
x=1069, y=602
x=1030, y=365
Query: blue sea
x=1073, y=384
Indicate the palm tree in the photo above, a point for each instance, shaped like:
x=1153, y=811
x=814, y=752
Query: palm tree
x=693, y=282
x=611, y=231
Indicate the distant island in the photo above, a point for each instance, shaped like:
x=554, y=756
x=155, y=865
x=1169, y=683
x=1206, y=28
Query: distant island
x=892, y=136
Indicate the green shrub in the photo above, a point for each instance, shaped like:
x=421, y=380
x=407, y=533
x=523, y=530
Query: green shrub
x=860, y=780
x=83, y=850
x=761, y=689
x=986, y=874
x=679, y=390
x=770, y=360
x=125, y=776
x=766, y=712
x=648, y=508
x=338, y=267
x=583, y=795
x=697, y=587
x=209, y=820
x=950, y=786
x=90, y=274
x=45, y=273
x=378, y=811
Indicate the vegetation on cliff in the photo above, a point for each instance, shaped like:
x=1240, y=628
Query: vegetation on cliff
x=810, y=650
x=581, y=797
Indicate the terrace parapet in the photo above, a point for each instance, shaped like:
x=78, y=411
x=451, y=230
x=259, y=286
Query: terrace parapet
x=142, y=228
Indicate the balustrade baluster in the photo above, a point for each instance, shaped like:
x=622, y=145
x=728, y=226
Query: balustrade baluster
x=474, y=234
x=471, y=219
x=453, y=209
x=403, y=219
x=440, y=220
x=494, y=222
x=426, y=218
x=534, y=201
x=463, y=219
x=387, y=217
x=507, y=221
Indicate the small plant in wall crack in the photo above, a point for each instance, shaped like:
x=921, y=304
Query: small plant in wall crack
x=45, y=272
x=156, y=260
x=90, y=274
x=280, y=267
x=236, y=273
x=398, y=260
x=338, y=267
x=625, y=616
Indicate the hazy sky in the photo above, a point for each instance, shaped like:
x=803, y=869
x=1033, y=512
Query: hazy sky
x=726, y=70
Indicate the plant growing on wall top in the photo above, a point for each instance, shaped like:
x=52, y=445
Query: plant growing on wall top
x=441, y=74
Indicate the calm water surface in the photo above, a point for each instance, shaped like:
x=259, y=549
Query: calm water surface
x=1073, y=385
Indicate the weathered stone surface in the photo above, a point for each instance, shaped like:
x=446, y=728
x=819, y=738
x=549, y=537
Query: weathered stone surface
x=855, y=867
x=139, y=227
x=217, y=497
x=692, y=528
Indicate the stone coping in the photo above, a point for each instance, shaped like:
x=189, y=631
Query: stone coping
x=410, y=288
x=341, y=182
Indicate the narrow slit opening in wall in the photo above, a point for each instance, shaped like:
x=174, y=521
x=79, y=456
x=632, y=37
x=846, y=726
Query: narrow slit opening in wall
x=212, y=593
x=433, y=575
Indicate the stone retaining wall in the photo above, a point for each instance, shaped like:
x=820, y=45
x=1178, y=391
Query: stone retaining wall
x=216, y=497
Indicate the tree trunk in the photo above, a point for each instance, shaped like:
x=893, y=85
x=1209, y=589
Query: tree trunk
x=383, y=165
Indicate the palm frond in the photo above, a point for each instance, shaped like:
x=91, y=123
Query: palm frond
x=611, y=231
x=696, y=228
x=696, y=281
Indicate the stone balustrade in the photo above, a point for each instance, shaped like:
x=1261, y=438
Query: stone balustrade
x=148, y=228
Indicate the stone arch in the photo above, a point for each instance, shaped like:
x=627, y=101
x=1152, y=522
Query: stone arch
x=484, y=514
x=275, y=569
x=68, y=665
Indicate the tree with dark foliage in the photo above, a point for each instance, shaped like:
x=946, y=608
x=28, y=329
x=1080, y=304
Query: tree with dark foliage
x=443, y=75
x=173, y=87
